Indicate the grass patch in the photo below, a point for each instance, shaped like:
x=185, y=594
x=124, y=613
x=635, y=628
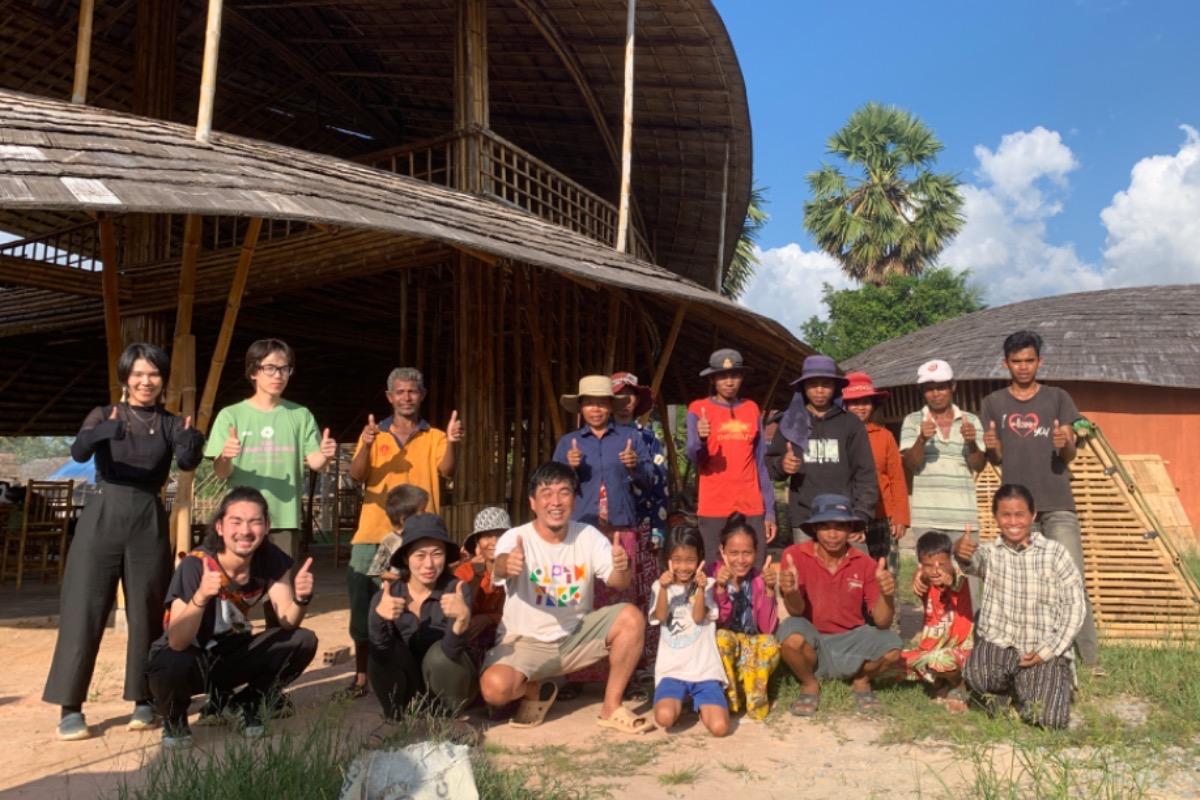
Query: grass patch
x=681, y=777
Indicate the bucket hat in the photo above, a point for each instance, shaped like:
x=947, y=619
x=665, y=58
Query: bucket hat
x=832, y=508
x=589, y=386
x=492, y=518
x=724, y=360
x=418, y=527
x=819, y=366
x=859, y=385
x=622, y=380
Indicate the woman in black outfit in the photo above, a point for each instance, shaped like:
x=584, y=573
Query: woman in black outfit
x=122, y=535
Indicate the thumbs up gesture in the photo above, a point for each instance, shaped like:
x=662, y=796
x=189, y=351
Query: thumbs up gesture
x=723, y=577
x=113, y=413
x=791, y=461
x=454, y=605
x=454, y=429
x=210, y=584
x=370, y=430
x=328, y=445
x=629, y=456
x=620, y=559
x=920, y=586
x=887, y=584
x=233, y=445
x=389, y=607
x=514, y=565
x=574, y=455
x=968, y=432
x=770, y=573
x=965, y=547
x=991, y=439
x=789, y=576
x=703, y=426
x=928, y=426
x=302, y=584
x=187, y=423
x=1062, y=434
x=700, y=578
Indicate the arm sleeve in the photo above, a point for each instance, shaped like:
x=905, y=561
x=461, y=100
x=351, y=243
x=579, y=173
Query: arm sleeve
x=724, y=607
x=380, y=632
x=188, y=444
x=644, y=474
x=870, y=586
x=453, y=643
x=977, y=566
x=560, y=449
x=219, y=432
x=909, y=430
x=898, y=503
x=765, y=485
x=987, y=416
x=310, y=435
x=504, y=545
x=864, y=483
x=697, y=450
x=1072, y=605
x=97, y=427
x=1067, y=412
x=185, y=581
x=774, y=456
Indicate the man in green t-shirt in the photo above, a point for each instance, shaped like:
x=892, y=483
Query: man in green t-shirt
x=266, y=441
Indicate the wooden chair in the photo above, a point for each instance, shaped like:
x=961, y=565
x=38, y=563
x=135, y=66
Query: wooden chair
x=39, y=546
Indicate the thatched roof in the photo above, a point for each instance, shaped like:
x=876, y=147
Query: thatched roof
x=1144, y=335
x=347, y=78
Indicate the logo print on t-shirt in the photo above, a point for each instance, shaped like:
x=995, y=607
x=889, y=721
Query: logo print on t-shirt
x=735, y=430
x=559, y=585
x=267, y=432
x=822, y=451
x=1023, y=424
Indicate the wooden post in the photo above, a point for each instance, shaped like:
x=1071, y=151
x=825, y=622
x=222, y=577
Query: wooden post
x=83, y=52
x=208, y=74
x=614, y=324
x=183, y=377
x=470, y=92
x=626, y=134
x=721, y=229
x=183, y=311
x=766, y=406
x=110, y=285
x=668, y=347
x=237, y=288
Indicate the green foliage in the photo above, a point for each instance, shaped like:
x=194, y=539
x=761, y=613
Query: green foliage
x=741, y=269
x=896, y=215
x=862, y=318
x=27, y=448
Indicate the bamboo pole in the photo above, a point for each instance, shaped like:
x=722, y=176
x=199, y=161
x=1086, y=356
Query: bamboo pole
x=237, y=288
x=668, y=348
x=721, y=228
x=770, y=396
x=183, y=312
x=183, y=378
x=626, y=133
x=83, y=52
x=208, y=74
x=543, y=366
x=669, y=443
x=614, y=324
x=110, y=285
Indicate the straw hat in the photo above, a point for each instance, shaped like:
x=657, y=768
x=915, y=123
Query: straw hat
x=589, y=386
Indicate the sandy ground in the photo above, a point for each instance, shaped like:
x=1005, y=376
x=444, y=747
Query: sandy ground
x=783, y=757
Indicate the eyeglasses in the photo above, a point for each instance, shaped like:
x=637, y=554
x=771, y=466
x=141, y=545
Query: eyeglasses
x=273, y=370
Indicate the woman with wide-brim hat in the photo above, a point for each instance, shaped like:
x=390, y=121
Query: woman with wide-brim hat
x=726, y=443
x=609, y=459
x=892, y=518
x=819, y=448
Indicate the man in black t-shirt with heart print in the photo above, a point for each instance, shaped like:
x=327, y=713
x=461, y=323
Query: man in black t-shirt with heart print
x=1029, y=436
x=208, y=645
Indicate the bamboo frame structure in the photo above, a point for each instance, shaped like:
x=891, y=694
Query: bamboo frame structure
x=83, y=51
x=110, y=281
x=626, y=131
x=208, y=74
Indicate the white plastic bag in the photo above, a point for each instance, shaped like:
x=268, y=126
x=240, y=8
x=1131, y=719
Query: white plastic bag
x=422, y=771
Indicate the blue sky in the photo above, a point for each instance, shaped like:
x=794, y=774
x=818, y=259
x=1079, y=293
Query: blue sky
x=1084, y=92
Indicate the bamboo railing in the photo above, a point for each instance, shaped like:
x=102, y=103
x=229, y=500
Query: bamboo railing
x=77, y=247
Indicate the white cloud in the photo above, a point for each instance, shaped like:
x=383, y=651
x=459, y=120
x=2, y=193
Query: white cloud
x=1154, y=225
x=787, y=284
x=1023, y=160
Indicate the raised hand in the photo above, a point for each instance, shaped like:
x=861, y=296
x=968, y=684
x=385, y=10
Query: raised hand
x=187, y=422
x=965, y=547
x=574, y=455
x=991, y=439
x=454, y=604
x=113, y=413
x=478, y=563
x=928, y=426
x=454, y=430
x=210, y=584
x=701, y=577
x=514, y=565
x=302, y=584
x=629, y=456
x=389, y=608
x=328, y=445
x=233, y=445
x=1062, y=435
x=898, y=531
x=703, y=426
x=791, y=462
x=771, y=530
x=968, y=432
x=667, y=578
x=370, y=430
x=920, y=586
x=724, y=576
x=770, y=573
x=789, y=576
x=619, y=556
x=887, y=584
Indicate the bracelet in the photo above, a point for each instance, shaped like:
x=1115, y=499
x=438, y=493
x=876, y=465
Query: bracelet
x=305, y=601
x=197, y=605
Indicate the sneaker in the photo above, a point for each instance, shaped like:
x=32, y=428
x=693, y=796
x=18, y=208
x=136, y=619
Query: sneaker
x=252, y=723
x=73, y=727
x=177, y=737
x=143, y=718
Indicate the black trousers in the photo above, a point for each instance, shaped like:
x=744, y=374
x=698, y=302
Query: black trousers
x=263, y=664
x=122, y=535
x=397, y=676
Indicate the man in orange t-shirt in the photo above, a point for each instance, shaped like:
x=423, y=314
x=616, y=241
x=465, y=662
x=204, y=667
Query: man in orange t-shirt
x=725, y=441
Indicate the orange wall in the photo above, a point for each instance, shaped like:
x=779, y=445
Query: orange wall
x=1145, y=419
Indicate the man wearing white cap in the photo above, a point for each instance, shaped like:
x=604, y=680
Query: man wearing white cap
x=941, y=448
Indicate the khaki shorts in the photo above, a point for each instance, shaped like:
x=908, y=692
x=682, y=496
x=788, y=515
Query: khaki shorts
x=538, y=660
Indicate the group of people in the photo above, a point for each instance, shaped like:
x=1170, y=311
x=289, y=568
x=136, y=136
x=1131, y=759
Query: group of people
x=609, y=580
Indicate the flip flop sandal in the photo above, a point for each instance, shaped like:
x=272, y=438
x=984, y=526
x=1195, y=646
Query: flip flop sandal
x=806, y=705
x=866, y=702
x=532, y=713
x=626, y=721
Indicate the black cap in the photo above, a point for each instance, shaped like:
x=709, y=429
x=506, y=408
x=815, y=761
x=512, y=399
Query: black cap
x=418, y=527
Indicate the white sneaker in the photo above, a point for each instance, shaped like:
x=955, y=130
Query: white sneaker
x=143, y=718
x=73, y=727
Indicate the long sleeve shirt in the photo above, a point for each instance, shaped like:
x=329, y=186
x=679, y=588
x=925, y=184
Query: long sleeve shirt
x=136, y=448
x=1033, y=598
x=419, y=634
x=889, y=472
x=602, y=465
x=731, y=461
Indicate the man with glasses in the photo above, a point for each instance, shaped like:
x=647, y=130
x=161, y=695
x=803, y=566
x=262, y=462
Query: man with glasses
x=265, y=441
x=941, y=448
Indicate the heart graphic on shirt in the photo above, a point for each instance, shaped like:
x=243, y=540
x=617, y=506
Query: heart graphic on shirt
x=1023, y=424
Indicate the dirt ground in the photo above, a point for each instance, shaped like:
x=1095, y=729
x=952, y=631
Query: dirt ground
x=783, y=757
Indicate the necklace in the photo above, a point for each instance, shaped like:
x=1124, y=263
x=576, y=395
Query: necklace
x=147, y=424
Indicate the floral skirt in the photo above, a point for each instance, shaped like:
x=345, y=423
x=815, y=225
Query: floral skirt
x=749, y=661
x=929, y=659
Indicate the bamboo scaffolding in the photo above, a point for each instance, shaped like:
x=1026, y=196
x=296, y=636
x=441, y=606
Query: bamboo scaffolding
x=110, y=282
x=208, y=74
x=626, y=132
x=83, y=52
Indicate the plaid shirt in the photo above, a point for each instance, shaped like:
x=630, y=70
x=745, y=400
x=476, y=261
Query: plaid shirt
x=1033, y=598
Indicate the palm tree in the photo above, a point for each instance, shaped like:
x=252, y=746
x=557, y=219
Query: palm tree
x=741, y=267
x=899, y=215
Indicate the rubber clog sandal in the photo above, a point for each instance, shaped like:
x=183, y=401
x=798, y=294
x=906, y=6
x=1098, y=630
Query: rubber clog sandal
x=627, y=722
x=532, y=713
